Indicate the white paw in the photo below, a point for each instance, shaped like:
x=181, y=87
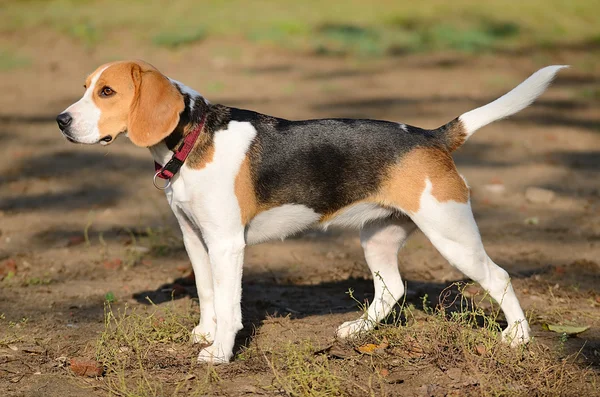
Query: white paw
x=214, y=354
x=201, y=334
x=351, y=329
x=516, y=334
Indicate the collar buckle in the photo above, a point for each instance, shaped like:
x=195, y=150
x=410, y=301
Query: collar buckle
x=169, y=170
x=161, y=176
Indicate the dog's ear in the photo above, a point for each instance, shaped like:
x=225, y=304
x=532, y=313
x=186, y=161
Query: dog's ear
x=155, y=109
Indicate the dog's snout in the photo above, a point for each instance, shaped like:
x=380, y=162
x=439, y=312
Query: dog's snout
x=64, y=120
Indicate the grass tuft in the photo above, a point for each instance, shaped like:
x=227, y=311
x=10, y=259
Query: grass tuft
x=462, y=334
x=403, y=36
x=299, y=372
x=137, y=346
x=451, y=347
x=85, y=32
x=174, y=38
x=332, y=27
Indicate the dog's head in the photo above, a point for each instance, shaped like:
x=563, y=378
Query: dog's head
x=128, y=96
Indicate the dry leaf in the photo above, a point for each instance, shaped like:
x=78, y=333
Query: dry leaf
x=369, y=348
x=86, y=367
x=566, y=329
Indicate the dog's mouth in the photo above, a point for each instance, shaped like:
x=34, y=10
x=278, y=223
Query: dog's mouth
x=106, y=140
x=66, y=134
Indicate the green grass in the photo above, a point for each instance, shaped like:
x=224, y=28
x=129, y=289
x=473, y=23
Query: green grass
x=86, y=33
x=9, y=60
x=299, y=372
x=146, y=352
x=215, y=87
x=32, y=281
x=334, y=27
x=174, y=38
x=137, y=345
x=414, y=36
x=589, y=93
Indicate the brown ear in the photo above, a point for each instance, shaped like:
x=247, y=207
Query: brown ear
x=155, y=109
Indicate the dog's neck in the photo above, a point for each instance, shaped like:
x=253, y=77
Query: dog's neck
x=196, y=106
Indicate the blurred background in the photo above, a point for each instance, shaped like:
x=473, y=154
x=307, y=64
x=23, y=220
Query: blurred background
x=81, y=225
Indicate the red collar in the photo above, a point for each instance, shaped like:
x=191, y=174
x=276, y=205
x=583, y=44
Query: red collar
x=169, y=170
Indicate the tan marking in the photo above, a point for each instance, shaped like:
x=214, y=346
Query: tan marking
x=457, y=135
x=405, y=181
x=244, y=191
x=156, y=106
x=146, y=103
x=202, y=153
x=114, y=110
x=88, y=80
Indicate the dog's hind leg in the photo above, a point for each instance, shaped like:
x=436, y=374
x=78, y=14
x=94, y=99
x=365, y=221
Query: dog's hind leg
x=451, y=228
x=381, y=242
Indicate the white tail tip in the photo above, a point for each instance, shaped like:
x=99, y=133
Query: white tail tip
x=514, y=101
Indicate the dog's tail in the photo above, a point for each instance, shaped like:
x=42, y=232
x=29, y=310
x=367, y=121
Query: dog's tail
x=456, y=132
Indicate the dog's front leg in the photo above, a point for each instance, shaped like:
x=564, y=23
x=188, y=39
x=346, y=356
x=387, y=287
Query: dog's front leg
x=226, y=252
x=195, y=246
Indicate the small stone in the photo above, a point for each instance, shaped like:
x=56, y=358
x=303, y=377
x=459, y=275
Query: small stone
x=139, y=249
x=75, y=240
x=33, y=349
x=481, y=350
x=538, y=195
x=8, y=268
x=454, y=374
x=496, y=188
x=252, y=390
x=62, y=361
x=183, y=268
x=113, y=264
x=534, y=220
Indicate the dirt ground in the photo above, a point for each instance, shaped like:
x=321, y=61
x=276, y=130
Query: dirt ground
x=53, y=193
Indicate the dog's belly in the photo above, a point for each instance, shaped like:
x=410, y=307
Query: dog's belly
x=357, y=215
x=288, y=219
x=280, y=222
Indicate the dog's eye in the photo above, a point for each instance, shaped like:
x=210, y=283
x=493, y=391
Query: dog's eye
x=106, y=91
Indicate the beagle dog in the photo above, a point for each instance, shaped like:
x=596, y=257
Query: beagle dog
x=237, y=177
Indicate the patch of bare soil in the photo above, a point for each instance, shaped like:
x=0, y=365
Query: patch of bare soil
x=80, y=226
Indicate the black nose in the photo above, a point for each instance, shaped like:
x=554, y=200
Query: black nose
x=64, y=120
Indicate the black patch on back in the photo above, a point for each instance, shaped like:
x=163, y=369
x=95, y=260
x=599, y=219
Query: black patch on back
x=325, y=164
x=217, y=118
